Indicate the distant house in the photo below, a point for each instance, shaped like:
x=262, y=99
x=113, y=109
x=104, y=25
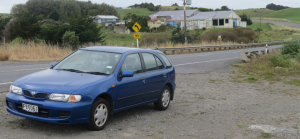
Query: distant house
x=197, y=20
x=154, y=23
x=214, y=19
x=105, y=19
x=173, y=17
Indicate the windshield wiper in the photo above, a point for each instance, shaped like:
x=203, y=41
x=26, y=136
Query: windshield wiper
x=96, y=73
x=71, y=70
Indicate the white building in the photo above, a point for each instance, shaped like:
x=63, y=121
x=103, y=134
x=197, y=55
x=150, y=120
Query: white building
x=214, y=19
x=197, y=20
x=105, y=19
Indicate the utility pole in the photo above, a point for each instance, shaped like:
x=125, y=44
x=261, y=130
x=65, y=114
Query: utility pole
x=260, y=22
x=186, y=41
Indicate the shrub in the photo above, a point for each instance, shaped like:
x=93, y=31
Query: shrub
x=297, y=57
x=70, y=40
x=280, y=61
x=153, y=39
x=17, y=41
x=292, y=48
x=204, y=28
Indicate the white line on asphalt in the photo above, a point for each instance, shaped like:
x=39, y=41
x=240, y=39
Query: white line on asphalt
x=204, y=61
x=6, y=83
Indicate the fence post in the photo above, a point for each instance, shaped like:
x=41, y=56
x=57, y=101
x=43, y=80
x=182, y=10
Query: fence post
x=4, y=42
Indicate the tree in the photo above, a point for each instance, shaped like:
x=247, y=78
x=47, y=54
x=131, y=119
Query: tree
x=178, y=36
x=54, y=15
x=245, y=18
x=85, y=29
x=3, y=22
x=70, y=40
x=224, y=8
x=27, y=26
x=273, y=6
x=142, y=20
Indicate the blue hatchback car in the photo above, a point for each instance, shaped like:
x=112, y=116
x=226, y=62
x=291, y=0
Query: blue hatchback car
x=91, y=84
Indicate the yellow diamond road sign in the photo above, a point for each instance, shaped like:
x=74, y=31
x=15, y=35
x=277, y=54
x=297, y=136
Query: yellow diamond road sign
x=136, y=27
x=137, y=35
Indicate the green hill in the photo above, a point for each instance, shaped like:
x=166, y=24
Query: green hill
x=292, y=14
x=141, y=11
x=254, y=12
x=4, y=14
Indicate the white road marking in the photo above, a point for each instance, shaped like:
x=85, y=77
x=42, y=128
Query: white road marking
x=205, y=61
x=6, y=83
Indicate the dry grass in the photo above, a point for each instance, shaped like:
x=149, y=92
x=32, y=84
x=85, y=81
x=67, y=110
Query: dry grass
x=283, y=27
x=33, y=52
x=42, y=52
x=262, y=68
x=274, y=19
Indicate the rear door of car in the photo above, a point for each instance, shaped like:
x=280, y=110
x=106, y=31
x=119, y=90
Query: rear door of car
x=156, y=75
x=131, y=90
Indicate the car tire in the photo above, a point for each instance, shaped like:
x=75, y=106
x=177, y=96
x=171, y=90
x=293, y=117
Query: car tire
x=164, y=99
x=99, y=115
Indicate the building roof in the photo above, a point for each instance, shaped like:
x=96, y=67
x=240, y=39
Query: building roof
x=106, y=17
x=178, y=14
x=153, y=20
x=213, y=14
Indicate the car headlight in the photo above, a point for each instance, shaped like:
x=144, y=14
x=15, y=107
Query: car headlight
x=15, y=90
x=64, y=97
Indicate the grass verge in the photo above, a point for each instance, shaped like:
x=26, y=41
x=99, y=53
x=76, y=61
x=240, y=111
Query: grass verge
x=33, y=52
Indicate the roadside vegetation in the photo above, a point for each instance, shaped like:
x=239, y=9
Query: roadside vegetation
x=138, y=11
x=291, y=14
x=283, y=66
x=254, y=12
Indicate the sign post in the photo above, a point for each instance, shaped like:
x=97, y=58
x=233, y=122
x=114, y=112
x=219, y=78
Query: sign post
x=266, y=49
x=136, y=27
x=219, y=39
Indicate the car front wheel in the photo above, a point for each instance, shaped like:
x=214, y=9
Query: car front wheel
x=164, y=99
x=99, y=115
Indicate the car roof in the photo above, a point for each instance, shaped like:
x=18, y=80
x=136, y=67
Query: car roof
x=116, y=49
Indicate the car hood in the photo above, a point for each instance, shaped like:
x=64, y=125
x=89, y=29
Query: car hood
x=57, y=81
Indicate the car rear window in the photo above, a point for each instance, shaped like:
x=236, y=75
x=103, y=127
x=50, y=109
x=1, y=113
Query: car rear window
x=168, y=63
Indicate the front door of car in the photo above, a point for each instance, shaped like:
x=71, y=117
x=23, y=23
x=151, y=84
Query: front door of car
x=130, y=90
x=156, y=76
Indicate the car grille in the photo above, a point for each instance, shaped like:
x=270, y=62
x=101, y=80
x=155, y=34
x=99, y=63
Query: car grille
x=42, y=112
x=38, y=95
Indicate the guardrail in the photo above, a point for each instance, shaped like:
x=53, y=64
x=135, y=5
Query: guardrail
x=206, y=48
x=247, y=56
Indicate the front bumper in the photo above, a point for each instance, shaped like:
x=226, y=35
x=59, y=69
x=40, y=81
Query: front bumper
x=50, y=111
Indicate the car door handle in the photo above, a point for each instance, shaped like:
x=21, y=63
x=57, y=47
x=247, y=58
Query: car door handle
x=142, y=78
x=164, y=74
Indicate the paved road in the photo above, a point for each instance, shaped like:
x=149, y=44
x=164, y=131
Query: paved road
x=278, y=22
x=185, y=63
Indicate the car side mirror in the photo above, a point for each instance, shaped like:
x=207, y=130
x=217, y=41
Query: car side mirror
x=53, y=64
x=127, y=73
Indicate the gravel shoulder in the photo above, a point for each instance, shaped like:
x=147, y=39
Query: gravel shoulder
x=205, y=106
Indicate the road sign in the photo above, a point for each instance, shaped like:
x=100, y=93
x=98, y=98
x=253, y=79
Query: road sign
x=136, y=27
x=137, y=35
x=219, y=39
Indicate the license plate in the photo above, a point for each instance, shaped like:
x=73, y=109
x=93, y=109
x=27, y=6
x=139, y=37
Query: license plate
x=30, y=108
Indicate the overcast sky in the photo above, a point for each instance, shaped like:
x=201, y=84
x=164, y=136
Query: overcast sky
x=6, y=5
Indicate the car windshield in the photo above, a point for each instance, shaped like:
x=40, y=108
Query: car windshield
x=91, y=62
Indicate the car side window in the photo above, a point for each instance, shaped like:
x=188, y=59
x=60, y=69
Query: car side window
x=150, y=62
x=168, y=63
x=133, y=63
x=159, y=63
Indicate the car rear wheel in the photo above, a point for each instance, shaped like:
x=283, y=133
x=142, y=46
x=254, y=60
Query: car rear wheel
x=99, y=115
x=164, y=99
